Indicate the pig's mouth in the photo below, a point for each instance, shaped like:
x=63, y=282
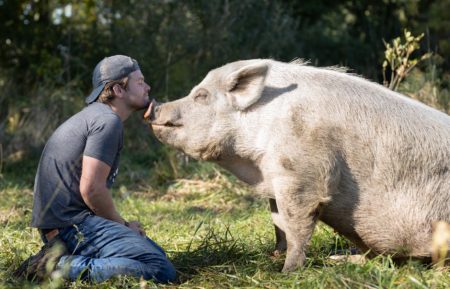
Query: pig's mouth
x=167, y=124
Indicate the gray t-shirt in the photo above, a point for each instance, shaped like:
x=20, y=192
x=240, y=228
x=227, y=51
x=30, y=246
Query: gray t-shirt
x=96, y=131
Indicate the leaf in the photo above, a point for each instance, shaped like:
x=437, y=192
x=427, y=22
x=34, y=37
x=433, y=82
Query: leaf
x=426, y=56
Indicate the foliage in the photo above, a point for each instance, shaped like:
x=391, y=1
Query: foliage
x=223, y=235
x=428, y=84
x=397, y=58
x=49, y=48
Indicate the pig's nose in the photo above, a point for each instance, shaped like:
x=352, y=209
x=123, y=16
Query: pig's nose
x=157, y=107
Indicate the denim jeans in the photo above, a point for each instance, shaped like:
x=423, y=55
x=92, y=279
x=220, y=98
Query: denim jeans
x=101, y=249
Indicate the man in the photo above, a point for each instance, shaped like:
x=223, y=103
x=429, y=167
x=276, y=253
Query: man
x=72, y=203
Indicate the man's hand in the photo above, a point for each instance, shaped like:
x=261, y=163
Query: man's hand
x=136, y=226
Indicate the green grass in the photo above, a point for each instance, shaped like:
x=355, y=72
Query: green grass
x=216, y=232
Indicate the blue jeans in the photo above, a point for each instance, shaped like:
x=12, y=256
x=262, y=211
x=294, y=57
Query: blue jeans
x=101, y=249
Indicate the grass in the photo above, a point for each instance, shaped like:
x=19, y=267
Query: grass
x=216, y=232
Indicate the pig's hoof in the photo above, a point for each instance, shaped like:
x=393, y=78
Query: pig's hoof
x=276, y=254
x=289, y=268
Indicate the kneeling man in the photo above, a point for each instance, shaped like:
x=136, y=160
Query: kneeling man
x=85, y=236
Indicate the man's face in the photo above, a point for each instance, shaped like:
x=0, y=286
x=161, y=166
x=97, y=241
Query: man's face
x=136, y=94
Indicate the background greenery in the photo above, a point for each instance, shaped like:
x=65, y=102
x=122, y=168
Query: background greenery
x=48, y=49
x=223, y=235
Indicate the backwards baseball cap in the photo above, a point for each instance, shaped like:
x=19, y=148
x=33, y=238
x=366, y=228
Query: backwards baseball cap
x=109, y=69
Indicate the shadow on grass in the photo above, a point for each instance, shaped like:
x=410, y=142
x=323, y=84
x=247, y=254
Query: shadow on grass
x=191, y=263
x=219, y=251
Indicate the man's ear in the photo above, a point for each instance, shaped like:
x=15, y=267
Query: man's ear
x=244, y=87
x=117, y=89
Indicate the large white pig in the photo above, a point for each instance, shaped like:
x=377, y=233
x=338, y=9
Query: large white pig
x=323, y=145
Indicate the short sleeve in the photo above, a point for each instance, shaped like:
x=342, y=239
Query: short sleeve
x=105, y=138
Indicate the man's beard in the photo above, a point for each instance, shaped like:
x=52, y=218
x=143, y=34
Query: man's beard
x=143, y=106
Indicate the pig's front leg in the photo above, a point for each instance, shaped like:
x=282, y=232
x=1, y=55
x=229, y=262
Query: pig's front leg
x=280, y=235
x=299, y=214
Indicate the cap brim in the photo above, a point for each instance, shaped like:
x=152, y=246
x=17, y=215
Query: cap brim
x=94, y=94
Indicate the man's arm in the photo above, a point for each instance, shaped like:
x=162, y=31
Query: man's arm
x=97, y=196
x=94, y=191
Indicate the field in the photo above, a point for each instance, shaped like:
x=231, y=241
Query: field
x=217, y=233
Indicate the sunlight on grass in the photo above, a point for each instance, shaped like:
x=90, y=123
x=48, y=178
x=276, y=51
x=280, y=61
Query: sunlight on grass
x=218, y=235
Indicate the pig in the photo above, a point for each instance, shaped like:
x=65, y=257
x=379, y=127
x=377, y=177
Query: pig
x=324, y=145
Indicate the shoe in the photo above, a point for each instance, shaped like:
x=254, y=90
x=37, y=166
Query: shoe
x=40, y=266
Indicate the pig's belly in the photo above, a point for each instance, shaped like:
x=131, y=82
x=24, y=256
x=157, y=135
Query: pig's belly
x=342, y=221
x=383, y=226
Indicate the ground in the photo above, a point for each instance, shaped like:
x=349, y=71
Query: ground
x=215, y=230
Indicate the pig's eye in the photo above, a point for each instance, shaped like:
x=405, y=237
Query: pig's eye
x=201, y=96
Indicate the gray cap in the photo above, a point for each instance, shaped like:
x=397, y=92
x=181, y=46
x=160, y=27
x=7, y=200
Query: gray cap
x=109, y=69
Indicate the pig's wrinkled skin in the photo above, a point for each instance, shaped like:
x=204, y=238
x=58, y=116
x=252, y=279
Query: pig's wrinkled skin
x=323, y=145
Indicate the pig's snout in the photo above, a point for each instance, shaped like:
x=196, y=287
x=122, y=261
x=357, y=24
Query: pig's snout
x=162, y=115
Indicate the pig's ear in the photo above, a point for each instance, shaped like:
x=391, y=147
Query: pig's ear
x=244, y=87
